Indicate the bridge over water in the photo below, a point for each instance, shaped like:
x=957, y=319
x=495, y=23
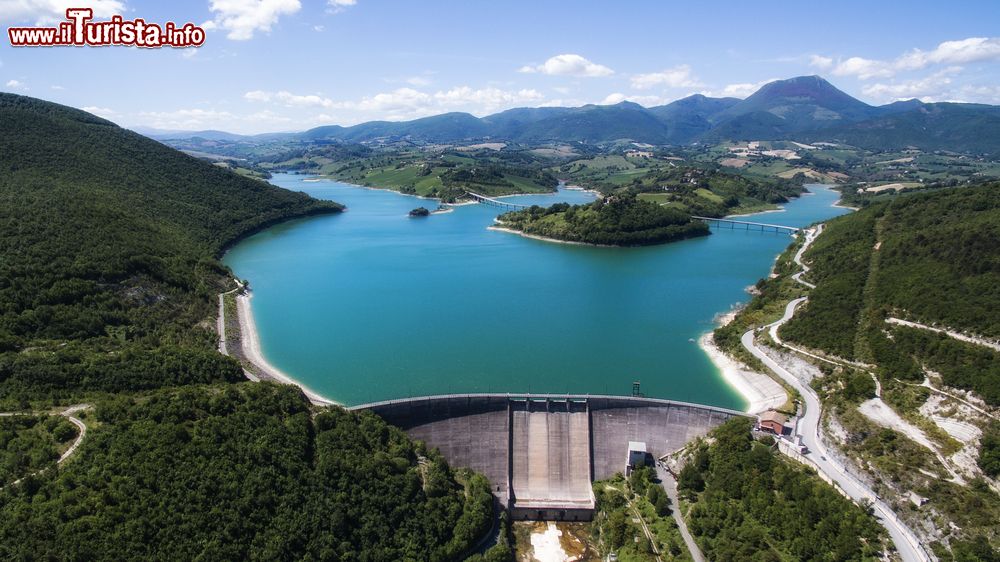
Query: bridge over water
x=542, y=452
x=748, y=225
x=496, y=202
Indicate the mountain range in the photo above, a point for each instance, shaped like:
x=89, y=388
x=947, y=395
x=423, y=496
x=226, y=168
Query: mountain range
x=805, y=108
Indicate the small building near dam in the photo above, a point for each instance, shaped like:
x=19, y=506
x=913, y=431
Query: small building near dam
x=542, y=453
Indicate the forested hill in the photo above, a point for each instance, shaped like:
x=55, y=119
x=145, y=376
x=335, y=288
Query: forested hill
x=109, y=243
x=932, y=258
x=616, y=220
x=244, y=472
x=108, y=282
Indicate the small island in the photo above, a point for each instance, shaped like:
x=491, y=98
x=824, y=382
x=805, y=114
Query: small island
x=616, y=220
x=420, y=212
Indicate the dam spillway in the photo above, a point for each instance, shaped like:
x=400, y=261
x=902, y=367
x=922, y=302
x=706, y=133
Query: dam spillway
x=542, y=452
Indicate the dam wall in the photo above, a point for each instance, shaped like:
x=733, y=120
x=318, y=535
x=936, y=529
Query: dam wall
x=542, y=452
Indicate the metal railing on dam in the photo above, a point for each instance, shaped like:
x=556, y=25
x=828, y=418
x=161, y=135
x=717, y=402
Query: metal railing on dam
x=474, y=397
x=542, y=451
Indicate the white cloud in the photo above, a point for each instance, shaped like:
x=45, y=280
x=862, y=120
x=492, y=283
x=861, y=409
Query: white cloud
x=187, y=119
x=99, y=111
x=340, y=5
x=244, y=17
x=418, y=81
x=401, y=103
x=738, y=90
x=963, y=51
x=979, y=94
x=935, y=87
x=405, y=103
x=16, y=85
x=562, y=102
x=569, y=65
x=487, y=99
x=863, y=68
x=289, y=99
x=189, y=52
x=960, y=51
x=822, y=63
x=57, y=87
x=319, y=28
x=49, y=11
x=618, y=97
x=676, y=77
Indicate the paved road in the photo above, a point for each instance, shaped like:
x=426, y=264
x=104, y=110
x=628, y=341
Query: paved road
x=808, y=428
x=670, y=485
x=808, y=425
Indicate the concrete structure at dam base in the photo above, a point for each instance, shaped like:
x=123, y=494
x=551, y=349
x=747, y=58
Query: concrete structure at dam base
x=542, y=453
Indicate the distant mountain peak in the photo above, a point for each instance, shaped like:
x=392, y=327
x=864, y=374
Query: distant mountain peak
x=813, y=87
x=798, y=104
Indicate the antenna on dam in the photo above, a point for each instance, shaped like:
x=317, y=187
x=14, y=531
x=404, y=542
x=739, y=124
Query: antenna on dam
x=635, y=390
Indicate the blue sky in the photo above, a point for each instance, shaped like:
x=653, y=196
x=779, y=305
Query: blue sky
x=280, y=65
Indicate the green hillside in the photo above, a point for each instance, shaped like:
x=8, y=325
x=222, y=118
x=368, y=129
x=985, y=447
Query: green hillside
x=932, y=258
x=108, y=280
x=751, y=503
x=109, y=241
x=953, y=127
x=618, y=220
x=243, y=472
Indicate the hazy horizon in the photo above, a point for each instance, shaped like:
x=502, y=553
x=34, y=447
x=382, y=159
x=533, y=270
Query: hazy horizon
x=286, y=65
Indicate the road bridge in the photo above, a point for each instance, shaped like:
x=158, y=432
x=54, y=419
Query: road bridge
x=748, y=225
x=496, y=202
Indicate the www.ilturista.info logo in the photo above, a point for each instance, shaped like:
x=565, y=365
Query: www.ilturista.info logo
x=79, y=31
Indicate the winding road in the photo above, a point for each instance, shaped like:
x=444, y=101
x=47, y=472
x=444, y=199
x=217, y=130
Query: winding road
x=68, y=414
x=808, y=428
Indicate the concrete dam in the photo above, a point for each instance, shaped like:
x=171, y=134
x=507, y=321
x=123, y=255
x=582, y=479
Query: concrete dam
x=542, y=452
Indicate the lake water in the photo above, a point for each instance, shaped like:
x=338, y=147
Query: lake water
x=371, y=304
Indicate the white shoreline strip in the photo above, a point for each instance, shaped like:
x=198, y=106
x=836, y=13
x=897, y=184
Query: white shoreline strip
x=761, y=392
x=545, y=239
x=253, y=352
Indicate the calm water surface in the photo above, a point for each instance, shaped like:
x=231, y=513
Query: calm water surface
x=370, y=304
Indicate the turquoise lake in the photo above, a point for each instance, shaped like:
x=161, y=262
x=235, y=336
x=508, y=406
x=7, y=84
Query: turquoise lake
x=371, y=304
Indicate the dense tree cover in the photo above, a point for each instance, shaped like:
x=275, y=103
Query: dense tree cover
x=503, y=550
x=109, y=243
x=108, y=282
x=960, y=364
x=940, y=257
x=616, y=220
x=30, y=443
x=933, y=257
x=839, y=261
x=244, y=472
x=977, y=549
x=989, y=450
x=938, y=261
x=619, y=501
x=751, y=504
